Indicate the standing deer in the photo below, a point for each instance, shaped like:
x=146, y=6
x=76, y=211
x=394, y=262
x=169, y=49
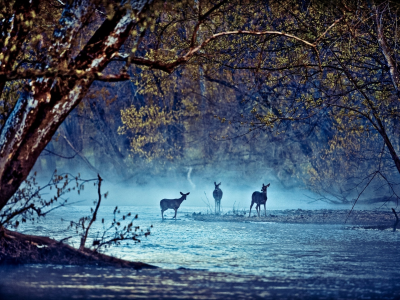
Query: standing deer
x=172, y=204
x=259, y=198
x=217, y=194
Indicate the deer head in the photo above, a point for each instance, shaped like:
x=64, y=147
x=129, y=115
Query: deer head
x=184, y=195
x=264, y=187
x=217, y=185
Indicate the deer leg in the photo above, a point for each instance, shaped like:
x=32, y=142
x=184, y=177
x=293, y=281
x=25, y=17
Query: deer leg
x=258, y=207
x=265, y=210
x=250, y=208
x=175, y=213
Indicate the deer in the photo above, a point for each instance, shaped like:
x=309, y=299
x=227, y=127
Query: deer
x=172, y=204
x=217, y=194
x=259, y=199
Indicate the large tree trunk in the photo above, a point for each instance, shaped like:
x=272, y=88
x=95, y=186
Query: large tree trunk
x=47, y=101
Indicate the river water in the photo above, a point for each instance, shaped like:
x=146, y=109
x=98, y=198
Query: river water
x=248, y=248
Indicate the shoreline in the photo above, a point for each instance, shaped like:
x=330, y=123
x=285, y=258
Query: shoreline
x=300, y=216
x=22, y=249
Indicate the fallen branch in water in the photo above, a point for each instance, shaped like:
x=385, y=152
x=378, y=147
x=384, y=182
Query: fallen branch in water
x=397, y=220
x=94, y=216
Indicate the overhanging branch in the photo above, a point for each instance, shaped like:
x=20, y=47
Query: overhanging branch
x=170, y=66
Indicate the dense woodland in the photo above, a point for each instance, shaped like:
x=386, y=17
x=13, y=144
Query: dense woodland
x=303, y=92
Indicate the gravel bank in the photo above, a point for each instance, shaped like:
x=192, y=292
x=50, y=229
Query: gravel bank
x=378, y=219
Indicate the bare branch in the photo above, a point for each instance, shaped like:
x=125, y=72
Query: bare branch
x=326, y=31
x=80, y=154
x=66, y=157
x=94, y=216
x=202, y=18
x=359, y=195
x=169, y=67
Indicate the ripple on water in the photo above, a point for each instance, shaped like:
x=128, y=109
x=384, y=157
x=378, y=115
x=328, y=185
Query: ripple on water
x=253, y=248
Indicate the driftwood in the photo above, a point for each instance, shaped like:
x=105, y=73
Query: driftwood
x=397, y=220
x=17, y=248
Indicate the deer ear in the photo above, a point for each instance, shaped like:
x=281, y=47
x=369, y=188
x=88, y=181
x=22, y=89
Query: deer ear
x=215, y=183
x=263, y=185
x=181, y=193
x=219, y=183
x=187, y=193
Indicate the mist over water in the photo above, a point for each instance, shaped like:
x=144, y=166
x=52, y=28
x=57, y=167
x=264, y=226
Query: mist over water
x=148, y=186
x=235, y=196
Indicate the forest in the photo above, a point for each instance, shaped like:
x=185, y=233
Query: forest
x=278, y=89
x=304, y=93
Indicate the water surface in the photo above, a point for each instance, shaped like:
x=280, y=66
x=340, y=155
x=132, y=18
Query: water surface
x=248, y=248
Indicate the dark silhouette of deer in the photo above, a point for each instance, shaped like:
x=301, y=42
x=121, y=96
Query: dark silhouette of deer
x=259, y=198
x=217, y=194
x=172, y=204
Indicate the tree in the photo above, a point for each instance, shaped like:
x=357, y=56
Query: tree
x=61, y=75
x=214, y=80
x=58, y=70
x=270, y=46
x=351, y=87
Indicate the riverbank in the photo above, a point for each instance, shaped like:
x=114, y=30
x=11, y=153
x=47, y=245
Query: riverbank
x=379, y=219
x=20, y=249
